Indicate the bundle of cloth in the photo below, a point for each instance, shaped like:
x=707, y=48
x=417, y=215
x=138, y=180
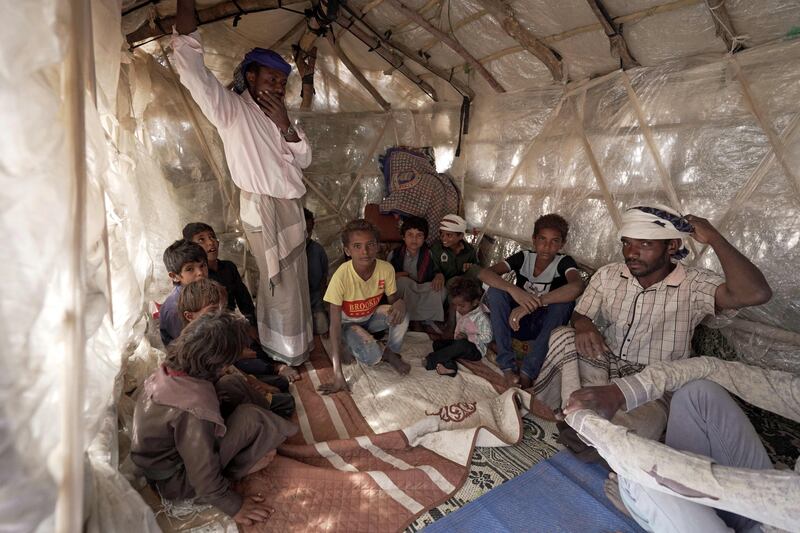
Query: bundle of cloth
x=414, y=188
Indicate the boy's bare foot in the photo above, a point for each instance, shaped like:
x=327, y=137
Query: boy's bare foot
x=611, y=490
x=444, y=371
x=262, y=463
x=288, y=372
x=397, y=362
x=511, y=377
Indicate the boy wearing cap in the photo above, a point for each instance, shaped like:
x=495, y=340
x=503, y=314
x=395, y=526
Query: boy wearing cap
x=650, y=304
x=265, y=154
x=452, y=256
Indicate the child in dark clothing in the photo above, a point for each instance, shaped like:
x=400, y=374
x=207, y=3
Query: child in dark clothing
x=195, y=430
x=222, y=271
x=185, y=262
x=204, y=296
x=317, y=277
x=225, y=273
x=472, y=334
x=414, y=268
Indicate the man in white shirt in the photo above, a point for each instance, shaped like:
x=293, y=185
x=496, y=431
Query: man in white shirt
x=265, y=156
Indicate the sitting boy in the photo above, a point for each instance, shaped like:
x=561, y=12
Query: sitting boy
x=354, y=292
x=452, y=256
x=185, y=262
x=413, y=268
x=221, y=271
x=204, y=296
x=317, y=277
x=195, y=429
x=473, y=330
x=546, y=287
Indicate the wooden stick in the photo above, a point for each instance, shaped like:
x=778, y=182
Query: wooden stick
x=357, y=74
x=221, y=11
x=602, y=183
x=493, y=211
x=666, y=180
x=383, y=48
x=367, y=162
x=324, y=197
x=449, y=41
x=70, y=498
x=458, y=25
x=429, y=4
x=765, y=123
x=288, y=35
x=615, y=38
x=502, y=11
x=376, y=40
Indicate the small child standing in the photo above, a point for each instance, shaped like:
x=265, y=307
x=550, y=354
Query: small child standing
x=195, y=429
x=317, y=277
x=472, y=334
x=354, y=293
x=203, y=296
x=185, y=262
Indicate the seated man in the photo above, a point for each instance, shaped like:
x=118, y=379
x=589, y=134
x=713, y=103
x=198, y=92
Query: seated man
x=651, y=305
x=705, y=421
x=542, y=299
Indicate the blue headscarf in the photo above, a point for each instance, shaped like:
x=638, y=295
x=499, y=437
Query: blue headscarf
x=263, y=57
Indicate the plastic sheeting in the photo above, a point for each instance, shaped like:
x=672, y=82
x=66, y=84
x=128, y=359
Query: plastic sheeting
x=155, y=164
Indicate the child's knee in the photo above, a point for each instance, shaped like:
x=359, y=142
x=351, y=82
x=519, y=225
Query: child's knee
x=369, y=353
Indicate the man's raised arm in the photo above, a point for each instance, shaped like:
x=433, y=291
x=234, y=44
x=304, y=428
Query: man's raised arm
x=185, y=21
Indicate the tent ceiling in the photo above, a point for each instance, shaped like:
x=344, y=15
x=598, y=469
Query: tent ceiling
x=653, y=31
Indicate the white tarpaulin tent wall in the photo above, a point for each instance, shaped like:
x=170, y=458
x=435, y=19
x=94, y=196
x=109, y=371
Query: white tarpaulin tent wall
x=104, y=158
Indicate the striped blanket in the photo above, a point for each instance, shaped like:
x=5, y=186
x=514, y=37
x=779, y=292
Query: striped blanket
x=376, y=459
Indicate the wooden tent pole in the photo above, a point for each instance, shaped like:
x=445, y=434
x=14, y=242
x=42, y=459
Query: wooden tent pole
x=666, y=180
x=752, y=183
x=362, y=169
x=615, y=37
x=69, y=503
x=503, y=12
x=724, y=26
x=765, y=123
x=449, y=41
x=357, y=74
x=602, y=183
x=496, y=207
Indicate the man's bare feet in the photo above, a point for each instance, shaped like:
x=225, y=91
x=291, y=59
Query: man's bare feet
x=611, y=490
x=397, y=362
x=262, y=463
x=288, y=372
x=511, y=377
x=444, y=371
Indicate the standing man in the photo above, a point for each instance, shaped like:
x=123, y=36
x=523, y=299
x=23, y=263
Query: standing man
x=265, y=155
x=644, y=310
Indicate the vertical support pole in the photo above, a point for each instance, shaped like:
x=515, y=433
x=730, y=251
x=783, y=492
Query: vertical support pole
x=69, y=505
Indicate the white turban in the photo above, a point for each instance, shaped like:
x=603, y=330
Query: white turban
x=453, y=223
x=655, y=222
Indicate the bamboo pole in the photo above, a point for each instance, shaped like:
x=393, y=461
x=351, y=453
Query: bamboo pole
x=449, y=41
x=69, y=503
x=602, y=183
x=615, y=37
x=496, y=207
x=503, y=12
x=666, y=180
x=357, y=74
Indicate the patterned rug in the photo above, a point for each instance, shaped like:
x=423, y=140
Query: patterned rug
x=492, y=467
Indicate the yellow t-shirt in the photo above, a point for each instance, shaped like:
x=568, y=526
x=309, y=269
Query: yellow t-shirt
x=357, y=297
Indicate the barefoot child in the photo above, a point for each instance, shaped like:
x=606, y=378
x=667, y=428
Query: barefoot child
x=194, y=431
x=207, y=296
x=354, y=292
x=473, y=330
